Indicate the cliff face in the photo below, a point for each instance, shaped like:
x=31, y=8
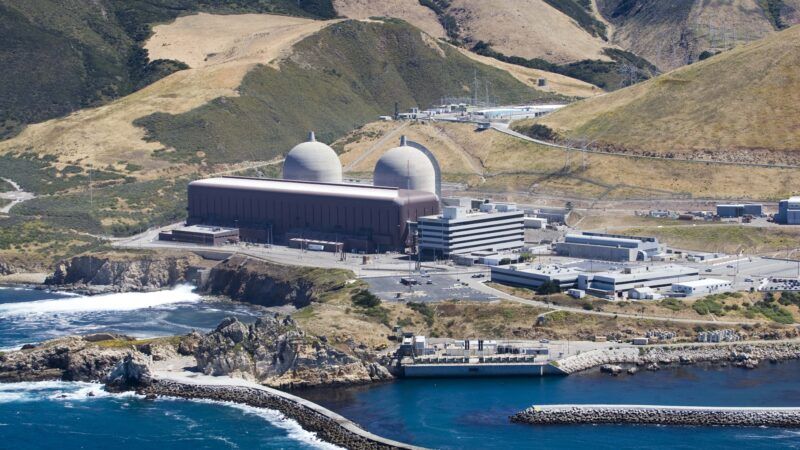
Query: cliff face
x=126, y=272
x=275, y=352
x=267, y=284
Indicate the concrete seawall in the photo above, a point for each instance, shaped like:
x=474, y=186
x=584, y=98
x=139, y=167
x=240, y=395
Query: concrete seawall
x=328, y=426
x=659, y=415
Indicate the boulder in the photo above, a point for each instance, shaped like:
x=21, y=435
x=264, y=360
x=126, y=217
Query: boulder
x=133, y=371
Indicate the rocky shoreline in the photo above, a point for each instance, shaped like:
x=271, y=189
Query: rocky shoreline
x=327, y=425
x=747, y=355
x=659, y=415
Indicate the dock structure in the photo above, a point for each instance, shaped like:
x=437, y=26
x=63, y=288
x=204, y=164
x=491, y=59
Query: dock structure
x=784, y=417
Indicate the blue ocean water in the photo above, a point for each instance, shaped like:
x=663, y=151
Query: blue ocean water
x=460, y=413
x=473, y=413
x=58, y=415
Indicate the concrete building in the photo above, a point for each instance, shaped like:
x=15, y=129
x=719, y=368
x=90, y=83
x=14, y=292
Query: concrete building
x=201, y=234
x=552, y=215
x=533, y=276
x=789, y=211
x=701, y=287
x=729, y=211
x=405, y=167
x=619, y=283
x=609, y=247
x=312, y=161
x=537, y=223
x=265, y=210
x=461, y=231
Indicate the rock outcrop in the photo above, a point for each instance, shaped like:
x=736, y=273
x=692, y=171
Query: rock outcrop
x=134, y=371
x=70, y=359
x=262, y=283
x=275, y=352
x=125, y=272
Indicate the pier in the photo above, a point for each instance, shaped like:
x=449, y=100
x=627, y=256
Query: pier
x=783, y=417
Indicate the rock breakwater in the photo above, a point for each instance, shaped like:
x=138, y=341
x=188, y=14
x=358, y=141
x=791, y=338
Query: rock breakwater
x=659, y=415
x=328, y=426
x=748, y=355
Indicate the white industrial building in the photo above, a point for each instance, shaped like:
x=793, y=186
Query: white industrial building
x=537, y=223
x=532, y=276
x=619, y=283
x=701, y=287
x=615, y=284
x=609, y=247
x=497, y=227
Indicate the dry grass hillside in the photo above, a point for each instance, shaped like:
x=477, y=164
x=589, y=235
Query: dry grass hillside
x=526, y=28
x=557, y=83
x=409, y=10
x=490, y=161
x=220, y=49
x=672, y=34
x=742, y=105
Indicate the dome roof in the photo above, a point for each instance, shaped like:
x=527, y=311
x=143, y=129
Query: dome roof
x=312, y=161
x=405, y=167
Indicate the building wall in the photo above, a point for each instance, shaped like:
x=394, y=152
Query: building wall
x=262, y=214
x=494, y=231
x=531, y=280
x=596, y=252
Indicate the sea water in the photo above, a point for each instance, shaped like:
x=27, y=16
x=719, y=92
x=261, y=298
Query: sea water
x=436, y=413
x=474, y=413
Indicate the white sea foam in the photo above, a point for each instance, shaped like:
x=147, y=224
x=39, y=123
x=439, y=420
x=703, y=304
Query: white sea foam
x=110, y=302
x=54, y=390
x=292, y=428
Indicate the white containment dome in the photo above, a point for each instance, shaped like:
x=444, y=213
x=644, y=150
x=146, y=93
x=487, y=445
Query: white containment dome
x=405, y=167
x=312, y=161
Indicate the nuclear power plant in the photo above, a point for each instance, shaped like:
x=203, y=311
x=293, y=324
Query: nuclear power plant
x=311, y=205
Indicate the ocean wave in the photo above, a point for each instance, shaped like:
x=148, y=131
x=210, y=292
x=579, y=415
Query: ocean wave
x=277, y=419
x=54, y=390
x=128, y=301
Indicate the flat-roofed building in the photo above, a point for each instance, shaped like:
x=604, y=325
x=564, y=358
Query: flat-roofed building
x=459, y=231
x=201, y=234
x=360, y=217
x=533, y=276
x=701, y=287
x=609, y=247
x=619, y=283
x=789, y=211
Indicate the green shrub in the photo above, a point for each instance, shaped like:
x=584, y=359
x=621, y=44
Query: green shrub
x=366, y=299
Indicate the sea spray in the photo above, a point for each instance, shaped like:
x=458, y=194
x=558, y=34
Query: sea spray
x=128, y=301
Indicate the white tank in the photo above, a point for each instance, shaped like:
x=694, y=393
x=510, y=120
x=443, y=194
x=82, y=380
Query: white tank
x=405, y=167
x=312, y=161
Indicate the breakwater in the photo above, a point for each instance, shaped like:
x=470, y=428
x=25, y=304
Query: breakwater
x=653, y=357
x=659, y=415
x=328, y=426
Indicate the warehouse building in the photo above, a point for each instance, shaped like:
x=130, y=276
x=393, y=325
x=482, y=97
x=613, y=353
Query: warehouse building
x=496, y=227
x=312, y=206
x=789, y=211
x=609, y=247
x=620, y=283
x=201, y=234
x=533, y=276
x=729, y=211
x=702, y=287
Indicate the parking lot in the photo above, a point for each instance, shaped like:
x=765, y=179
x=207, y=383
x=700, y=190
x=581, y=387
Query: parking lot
x=429, y=288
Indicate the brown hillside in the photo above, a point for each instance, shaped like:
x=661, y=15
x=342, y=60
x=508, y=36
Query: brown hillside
x=409, y=10
x=742, y=105
x=526, y=28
